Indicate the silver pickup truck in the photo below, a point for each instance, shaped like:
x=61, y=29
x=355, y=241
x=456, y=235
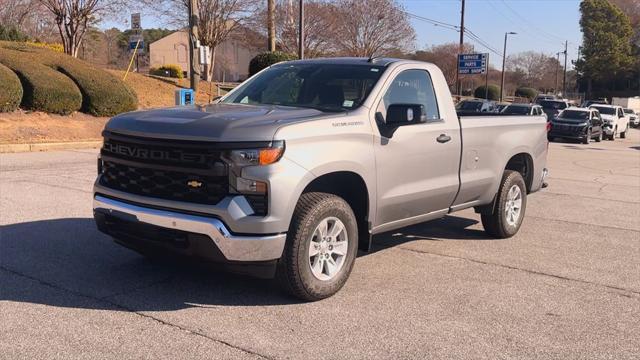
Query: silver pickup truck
x=292, y=172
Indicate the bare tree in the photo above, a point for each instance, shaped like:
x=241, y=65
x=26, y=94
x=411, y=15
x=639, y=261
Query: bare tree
x=30, y=16
x=372, y=27
x=319, y=27
x=73, y=18
x=217, y=21
x=445, y=56
x=537, y=69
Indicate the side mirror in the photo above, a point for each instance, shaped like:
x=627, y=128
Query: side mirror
x=405, y=114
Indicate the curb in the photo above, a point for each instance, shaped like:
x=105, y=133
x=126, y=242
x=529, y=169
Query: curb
x=16, y=148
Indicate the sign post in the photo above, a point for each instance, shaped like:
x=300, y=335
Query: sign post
x=474, y=64
x=136, y=40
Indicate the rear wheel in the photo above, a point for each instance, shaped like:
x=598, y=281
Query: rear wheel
x=508, y=212
x=321, y=247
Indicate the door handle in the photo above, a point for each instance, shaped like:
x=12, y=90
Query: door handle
x=443, y=138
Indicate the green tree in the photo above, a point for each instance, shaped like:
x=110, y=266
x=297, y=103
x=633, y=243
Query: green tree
x=606, y=51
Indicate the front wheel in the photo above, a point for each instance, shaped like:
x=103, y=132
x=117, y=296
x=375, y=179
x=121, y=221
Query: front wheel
x=321, y=247
x=599, y=137
x=587, y=139
x=623, y=134
x=508, y=211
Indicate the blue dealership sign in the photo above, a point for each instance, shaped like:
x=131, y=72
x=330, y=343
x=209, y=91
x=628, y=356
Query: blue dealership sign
x=472, y=63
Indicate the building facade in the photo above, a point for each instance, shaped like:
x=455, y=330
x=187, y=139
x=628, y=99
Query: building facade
x=231, y=60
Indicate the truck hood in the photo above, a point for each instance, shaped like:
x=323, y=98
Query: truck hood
x=608, y=117
x=216, y=122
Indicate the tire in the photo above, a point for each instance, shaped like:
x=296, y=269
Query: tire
x=599, y=137
x=587, y=139
x=612, y=137
x=294, y=271
x=497, y=223
x=623, y=134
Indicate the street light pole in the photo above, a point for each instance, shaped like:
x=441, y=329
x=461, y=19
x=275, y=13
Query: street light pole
x=460, y=50
x=504, y=60
x=301, y=31
x=564, y=77
x=555, y=87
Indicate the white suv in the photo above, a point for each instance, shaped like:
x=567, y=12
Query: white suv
x=615, y=120
x=634, y=118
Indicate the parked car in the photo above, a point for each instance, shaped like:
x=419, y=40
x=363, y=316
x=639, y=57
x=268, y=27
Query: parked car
x=472, y=106
x=553, y=107
x=615, y=121
x=523, y=109
x=634, y=118
x=542, y=97
x=588, y=103
x=577, y=123
x=294, y=170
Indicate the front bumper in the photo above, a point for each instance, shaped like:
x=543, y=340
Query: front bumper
x=192, y=234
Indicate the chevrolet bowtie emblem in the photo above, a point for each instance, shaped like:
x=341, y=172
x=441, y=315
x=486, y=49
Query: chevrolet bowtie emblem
x=194, y=184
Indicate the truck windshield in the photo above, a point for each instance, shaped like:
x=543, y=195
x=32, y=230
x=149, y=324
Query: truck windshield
x=555, y=105
x=326, y=87
x=605, y=110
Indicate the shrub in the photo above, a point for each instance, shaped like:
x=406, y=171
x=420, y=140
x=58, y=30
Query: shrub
x=44, y=89
x=103, y=94
x=12, y=33
x=267, y=59
x=10, y=90
x=494, y=92
x=526, y=92
x=169, y=70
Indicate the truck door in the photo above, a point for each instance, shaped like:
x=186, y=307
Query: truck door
x=417, y=166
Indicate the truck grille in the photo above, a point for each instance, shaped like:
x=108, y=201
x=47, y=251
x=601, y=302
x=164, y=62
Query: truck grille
x=173, y=170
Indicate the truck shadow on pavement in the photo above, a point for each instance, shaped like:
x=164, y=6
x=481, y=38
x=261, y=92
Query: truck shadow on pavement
x=68, y=263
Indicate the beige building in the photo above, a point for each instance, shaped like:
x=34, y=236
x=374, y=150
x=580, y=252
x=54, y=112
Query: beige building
x=231, y=62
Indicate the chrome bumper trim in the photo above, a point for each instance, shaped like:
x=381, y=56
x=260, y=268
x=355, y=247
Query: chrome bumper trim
x=234, y=248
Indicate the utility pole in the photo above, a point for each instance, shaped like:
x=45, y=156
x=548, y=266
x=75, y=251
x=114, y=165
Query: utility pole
x=460, y=49
x=271, y=25
x=564, y=77
x=504, y=60
x=301, y=31
x=194, y=64
x=555, y=87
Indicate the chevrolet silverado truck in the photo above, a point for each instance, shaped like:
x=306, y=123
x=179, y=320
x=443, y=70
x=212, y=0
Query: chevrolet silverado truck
x=292, y=172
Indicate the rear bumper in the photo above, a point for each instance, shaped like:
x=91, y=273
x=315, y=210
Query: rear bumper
x=199, y=236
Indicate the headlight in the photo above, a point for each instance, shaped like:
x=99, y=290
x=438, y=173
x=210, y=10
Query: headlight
x=252, y=157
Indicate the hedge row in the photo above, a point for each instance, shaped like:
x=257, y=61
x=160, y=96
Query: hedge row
x=102, y=93
x=10, y=90
x=44, y=89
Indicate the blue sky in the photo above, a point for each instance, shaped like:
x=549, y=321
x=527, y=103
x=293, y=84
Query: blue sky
x=542, y=25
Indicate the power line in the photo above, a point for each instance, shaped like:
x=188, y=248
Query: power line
x=456, y=28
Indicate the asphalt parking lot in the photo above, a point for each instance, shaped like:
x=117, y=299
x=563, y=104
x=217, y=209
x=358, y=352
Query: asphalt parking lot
x=567, y=286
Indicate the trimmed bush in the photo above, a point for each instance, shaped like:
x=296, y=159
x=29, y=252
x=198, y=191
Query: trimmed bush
x=526, y=92
x=169, y=70
x=10, y=90
x=103, y=94
x=44, y=89
x=267, y=59
x=494, y=92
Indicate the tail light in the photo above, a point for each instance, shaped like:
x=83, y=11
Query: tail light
x=548, y=126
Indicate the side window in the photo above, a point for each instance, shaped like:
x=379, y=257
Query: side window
x=412, y=87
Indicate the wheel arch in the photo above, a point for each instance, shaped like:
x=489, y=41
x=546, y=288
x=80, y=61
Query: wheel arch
x=351, y=187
